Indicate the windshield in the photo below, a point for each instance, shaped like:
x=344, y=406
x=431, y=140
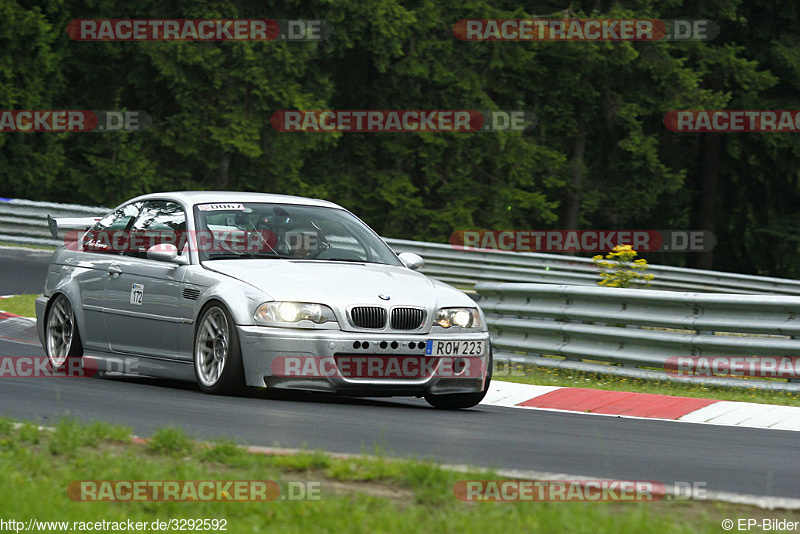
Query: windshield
x=286, y=231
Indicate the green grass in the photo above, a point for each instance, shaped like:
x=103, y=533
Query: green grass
x=19, y=305
x=172, y=442
x=531, y=374
x=358, y=494
x=21, y=245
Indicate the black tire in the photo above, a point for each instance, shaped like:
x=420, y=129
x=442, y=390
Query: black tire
x=62, y=340
x=459, y=401
x=209, y=347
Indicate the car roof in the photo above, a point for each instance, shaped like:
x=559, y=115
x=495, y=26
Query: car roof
x=204, y=197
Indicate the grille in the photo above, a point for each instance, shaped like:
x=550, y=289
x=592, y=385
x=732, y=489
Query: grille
x=191, y=294
x=368, y=317
x=407, y=318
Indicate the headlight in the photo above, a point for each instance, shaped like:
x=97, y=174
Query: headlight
x=461, y=317
x=293, y=314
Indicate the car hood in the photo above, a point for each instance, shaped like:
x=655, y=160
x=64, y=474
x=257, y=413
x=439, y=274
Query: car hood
x=341, y=284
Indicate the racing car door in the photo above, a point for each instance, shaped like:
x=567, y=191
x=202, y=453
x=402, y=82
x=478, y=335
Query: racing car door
x=99, y=249
x=143, y=306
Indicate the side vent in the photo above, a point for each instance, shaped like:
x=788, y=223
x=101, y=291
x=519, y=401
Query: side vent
x=191, y=294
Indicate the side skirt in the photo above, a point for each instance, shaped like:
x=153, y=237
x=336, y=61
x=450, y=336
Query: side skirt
x=128, y=365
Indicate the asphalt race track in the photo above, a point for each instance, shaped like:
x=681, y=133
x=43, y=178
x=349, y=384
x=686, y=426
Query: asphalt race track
x=739, y=460
x=22, y=270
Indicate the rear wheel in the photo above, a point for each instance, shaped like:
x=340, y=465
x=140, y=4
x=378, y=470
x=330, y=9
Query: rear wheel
x=63, y=343
x=458, y=401
x=217, y=354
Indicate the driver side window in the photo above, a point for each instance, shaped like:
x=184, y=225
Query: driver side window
x=110, y=234
x=160, y=221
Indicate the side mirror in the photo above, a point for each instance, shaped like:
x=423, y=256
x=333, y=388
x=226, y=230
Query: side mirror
x=166, y=252
x=411, y=260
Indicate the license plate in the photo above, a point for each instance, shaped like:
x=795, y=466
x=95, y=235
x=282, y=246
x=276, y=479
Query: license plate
x=436, y=347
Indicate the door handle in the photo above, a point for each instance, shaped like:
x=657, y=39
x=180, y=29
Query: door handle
x=114, y=270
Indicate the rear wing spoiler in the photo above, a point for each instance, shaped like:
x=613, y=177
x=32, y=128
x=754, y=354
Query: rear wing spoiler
x=70, y=223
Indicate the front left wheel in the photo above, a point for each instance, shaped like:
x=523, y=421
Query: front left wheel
x=217, y=354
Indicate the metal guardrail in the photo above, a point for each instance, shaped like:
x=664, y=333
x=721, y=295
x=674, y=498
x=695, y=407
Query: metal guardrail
x=25, y=221
x=455, y=265
x=636, y=328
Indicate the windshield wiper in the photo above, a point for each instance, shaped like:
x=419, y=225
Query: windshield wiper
x=245, y=255
x=350, y=260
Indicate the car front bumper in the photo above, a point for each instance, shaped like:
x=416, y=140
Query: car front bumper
x=266, y=349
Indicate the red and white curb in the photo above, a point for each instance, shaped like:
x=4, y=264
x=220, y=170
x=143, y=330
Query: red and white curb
x=643, y=406
x=17, y=329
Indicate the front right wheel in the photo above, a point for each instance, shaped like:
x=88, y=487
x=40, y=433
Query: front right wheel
x=458, y=401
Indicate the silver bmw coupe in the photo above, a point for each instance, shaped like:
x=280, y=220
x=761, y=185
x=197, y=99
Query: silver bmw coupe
x=235, y=290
